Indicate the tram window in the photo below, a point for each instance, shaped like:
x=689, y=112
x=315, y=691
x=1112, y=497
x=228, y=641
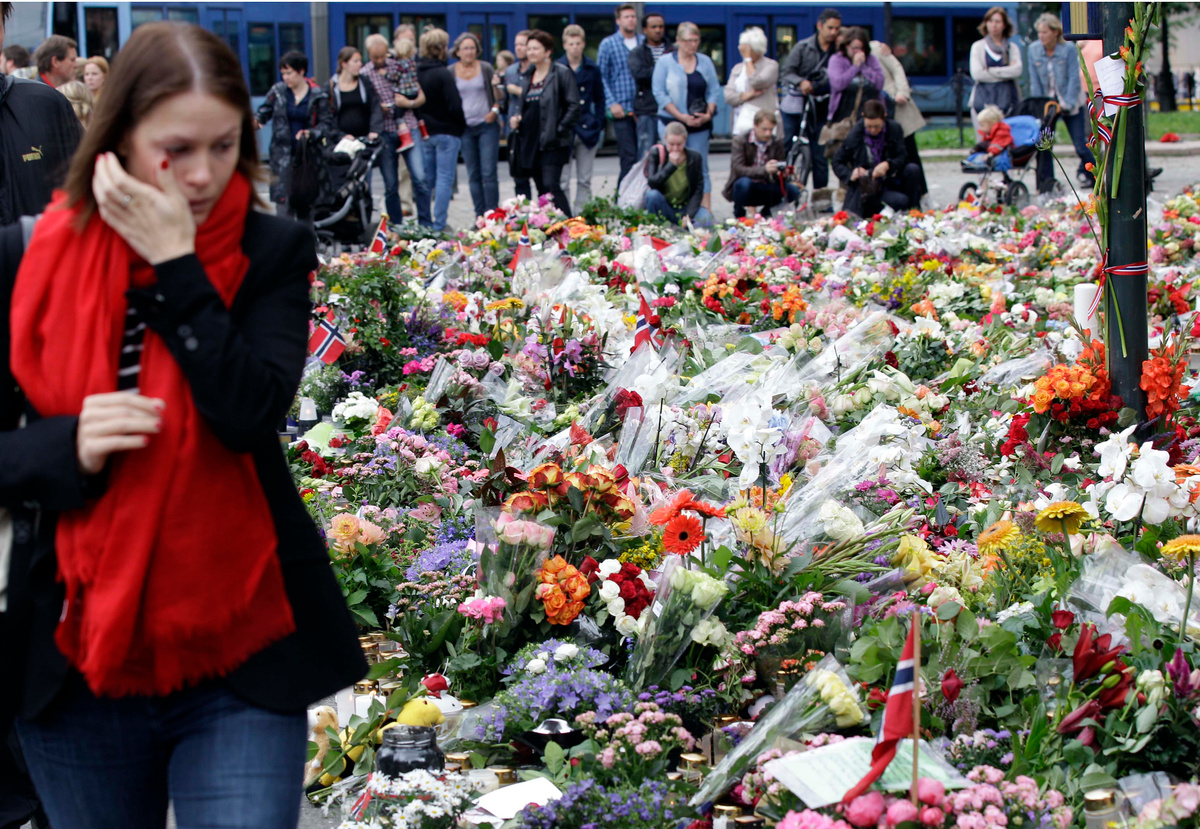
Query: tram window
x=291, y=38
x=966, y=32
x=359, y=26
x=101, y=26
x=184, y=15
x=422, y=22
x=499, y=40
x=712, y=43
x=553, y=25
x=595, y=29
x=920, y=45
x=261, y=38
x=138, y=16
x=785, y=39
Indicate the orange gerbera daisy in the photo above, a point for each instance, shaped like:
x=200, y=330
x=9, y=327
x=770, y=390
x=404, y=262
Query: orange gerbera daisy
x=670, y=508
x=709, y=510
x=682, y=534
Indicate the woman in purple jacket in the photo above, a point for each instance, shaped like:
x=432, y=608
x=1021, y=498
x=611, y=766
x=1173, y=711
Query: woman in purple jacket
x=852, y=68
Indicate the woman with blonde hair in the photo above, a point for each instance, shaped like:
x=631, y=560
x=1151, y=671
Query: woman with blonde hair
x=1054, y=74
x=687, y=90
x=81, y=100
x=95, y=71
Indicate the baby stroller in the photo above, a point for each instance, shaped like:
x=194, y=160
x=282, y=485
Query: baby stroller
x=1035, y=115
x=342, y=219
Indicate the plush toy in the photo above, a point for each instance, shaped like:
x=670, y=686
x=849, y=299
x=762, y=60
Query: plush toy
x=320, y=719
x=420, y=711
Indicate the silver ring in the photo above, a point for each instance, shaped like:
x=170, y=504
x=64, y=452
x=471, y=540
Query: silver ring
x=128, y=198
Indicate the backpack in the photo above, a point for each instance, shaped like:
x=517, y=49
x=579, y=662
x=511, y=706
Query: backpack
x=631, y=192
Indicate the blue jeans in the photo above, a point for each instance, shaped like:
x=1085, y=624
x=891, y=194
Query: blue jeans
x=697, y=141
x=481, y=152
x=389, y=168
x=656, y=202
x=759, y=193
x=101, y=763
x=441, y=160
x=625, y=132
x=647, y=134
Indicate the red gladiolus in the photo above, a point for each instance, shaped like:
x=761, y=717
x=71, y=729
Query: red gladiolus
x=1092, y=654
x=1062, y=619
x=951, y=686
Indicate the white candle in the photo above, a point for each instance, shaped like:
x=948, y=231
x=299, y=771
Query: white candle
x=1085, y=295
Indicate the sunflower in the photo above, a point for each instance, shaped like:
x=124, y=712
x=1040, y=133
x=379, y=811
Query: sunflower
x=670, y=509
x=997, y=538
x=1182, y=547
x=1060, y=517
x=682, y=534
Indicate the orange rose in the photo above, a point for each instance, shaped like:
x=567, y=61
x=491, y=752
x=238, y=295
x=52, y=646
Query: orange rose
x=577, y=588
x=577, y=480
x=544, y=475
x=525, y=502
x=554, y=600
x=554, y=566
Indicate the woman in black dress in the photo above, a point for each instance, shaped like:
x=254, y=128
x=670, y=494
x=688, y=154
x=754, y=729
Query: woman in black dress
x=356, y=108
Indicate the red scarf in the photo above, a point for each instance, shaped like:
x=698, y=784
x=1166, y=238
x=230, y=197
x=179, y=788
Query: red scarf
x=172, y=575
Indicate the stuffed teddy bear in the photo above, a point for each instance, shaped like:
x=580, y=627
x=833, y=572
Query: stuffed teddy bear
x=320, y=719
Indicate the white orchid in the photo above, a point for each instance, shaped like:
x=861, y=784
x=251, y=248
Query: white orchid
x=1150, y=490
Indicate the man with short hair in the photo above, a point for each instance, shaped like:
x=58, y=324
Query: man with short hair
x=55, y=60
x=589, y=129
x=641, y=64
x=620, y=89
x=522, y=186
x=15, y=57
x=675, y=175
x=873, y=164
x=379, y=68
x=806, y=68
x=756, y=169
x=38, y=135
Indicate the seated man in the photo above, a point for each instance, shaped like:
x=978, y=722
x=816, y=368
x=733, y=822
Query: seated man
x=756, y=170
x=676, y=183
x=873, y=165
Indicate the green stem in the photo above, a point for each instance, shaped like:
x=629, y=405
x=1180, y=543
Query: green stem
x=1187, y=604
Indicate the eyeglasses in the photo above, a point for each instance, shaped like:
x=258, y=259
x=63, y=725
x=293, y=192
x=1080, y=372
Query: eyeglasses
x=687, y=40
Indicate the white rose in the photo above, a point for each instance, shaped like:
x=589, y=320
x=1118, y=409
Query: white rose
x=536, y=666
x=709, y=632
x=609, y=567
x=609, y=591
x=542, y=655
x=840, y=524
x=616, y=607
x=565, y=651
x=627, y=625
x=428, y=466
x=707, y=591
x=942, y=594
x=841, y=404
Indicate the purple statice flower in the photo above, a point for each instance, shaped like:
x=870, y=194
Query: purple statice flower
x=450, y=557
x=460, y=528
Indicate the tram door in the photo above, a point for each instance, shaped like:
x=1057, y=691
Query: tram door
x=494, y=30
x=783, y=31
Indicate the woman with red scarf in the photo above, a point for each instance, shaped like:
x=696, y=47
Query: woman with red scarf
x=179, y=614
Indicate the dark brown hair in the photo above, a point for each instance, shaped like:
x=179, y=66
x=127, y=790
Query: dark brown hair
x=6, y=10
x=874, y=108
x=160, y=61
x=851, y=34
x=55, y=46
x=544, y=38
x=625, y=7
x=345, y=54
x=1003, y=12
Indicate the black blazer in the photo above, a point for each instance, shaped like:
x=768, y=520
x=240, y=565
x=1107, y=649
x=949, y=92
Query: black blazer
x=243, y=365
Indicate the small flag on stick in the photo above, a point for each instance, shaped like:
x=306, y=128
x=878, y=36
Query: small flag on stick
x=326, y=341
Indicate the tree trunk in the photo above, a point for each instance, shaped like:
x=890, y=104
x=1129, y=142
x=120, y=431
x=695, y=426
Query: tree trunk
x=1164, y=86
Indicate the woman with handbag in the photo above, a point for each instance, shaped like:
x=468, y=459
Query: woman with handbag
x=687, y=90
x=901, y=107
x=168, y=628
x=995, y=66
x=855, y=76
x=298, y=111
x=751, y=87
x=544, y=122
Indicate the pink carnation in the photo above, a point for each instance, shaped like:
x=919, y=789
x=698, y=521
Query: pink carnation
x=865, y=810
x=901, y=812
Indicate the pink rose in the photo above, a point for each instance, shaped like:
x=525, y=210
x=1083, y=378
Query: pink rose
x=930, y=792
x=865, y=810
x=932, y=816
x=901, y=812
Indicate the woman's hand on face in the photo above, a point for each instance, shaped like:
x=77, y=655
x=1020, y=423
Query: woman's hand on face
x=114, y=422
x=157, y=222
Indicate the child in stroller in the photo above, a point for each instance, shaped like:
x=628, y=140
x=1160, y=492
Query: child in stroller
x=343, y=217
x=1006, y=144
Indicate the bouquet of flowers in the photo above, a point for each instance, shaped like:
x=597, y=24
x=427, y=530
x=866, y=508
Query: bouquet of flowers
x=685, y=599
x=510, y=567
x=416, y=800
x=648, y=805
x=633, y=747
x=626, y=592
x=825, y=700
x=1180, y=809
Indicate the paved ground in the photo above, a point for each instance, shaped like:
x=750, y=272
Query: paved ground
x=1181, y=163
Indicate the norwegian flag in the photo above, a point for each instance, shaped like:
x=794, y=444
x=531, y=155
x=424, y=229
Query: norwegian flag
x=524, y=251
x=326, y=341
x=659, y=244
x=379, y=244
x=647, y=330
x=897, y=715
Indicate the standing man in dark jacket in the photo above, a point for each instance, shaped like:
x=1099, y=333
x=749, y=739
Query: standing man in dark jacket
x=589, y=129
x=874, y=166
x=641, y=64
x=38, y=135
x=805, y=69
x=675, y=175
x=756, y=168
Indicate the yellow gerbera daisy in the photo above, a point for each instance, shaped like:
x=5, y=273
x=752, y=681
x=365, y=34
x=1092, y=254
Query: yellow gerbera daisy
x=1181, y=548
x=1060, y=516
x=998, y=537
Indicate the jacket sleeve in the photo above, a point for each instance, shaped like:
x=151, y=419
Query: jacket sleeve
x=1074, y=86
x=323, y=126
x=598, y=99
x=712, y=93
x=695, y=174
x=266, y=111
x=766, y=75
x=659, y=83
x=243, y=376
x=570, y=91
x=789, y=73
x=894, y=151
x=642, y=69
x=375, y=108
x=872, y=70
x=656, y=174
x=841, y=72
x=607, y=61
x=453, y=99
x=1037, y=87
x=732, y=96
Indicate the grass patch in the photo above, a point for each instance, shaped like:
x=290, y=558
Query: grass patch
x=1184, y=124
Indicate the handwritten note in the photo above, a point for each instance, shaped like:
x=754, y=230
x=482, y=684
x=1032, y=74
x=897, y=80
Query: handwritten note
x=821, y=777
x=1110, y=74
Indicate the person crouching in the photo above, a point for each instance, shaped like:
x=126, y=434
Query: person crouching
x=675, y=175
x=756, y=169
x=874, y=165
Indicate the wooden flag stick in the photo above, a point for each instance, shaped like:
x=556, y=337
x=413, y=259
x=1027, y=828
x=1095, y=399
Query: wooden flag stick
x=916, y=736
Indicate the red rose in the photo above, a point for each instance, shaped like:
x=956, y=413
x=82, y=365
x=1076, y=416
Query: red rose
x=1062, y=619
x=951, y=686
x=1055, y=642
